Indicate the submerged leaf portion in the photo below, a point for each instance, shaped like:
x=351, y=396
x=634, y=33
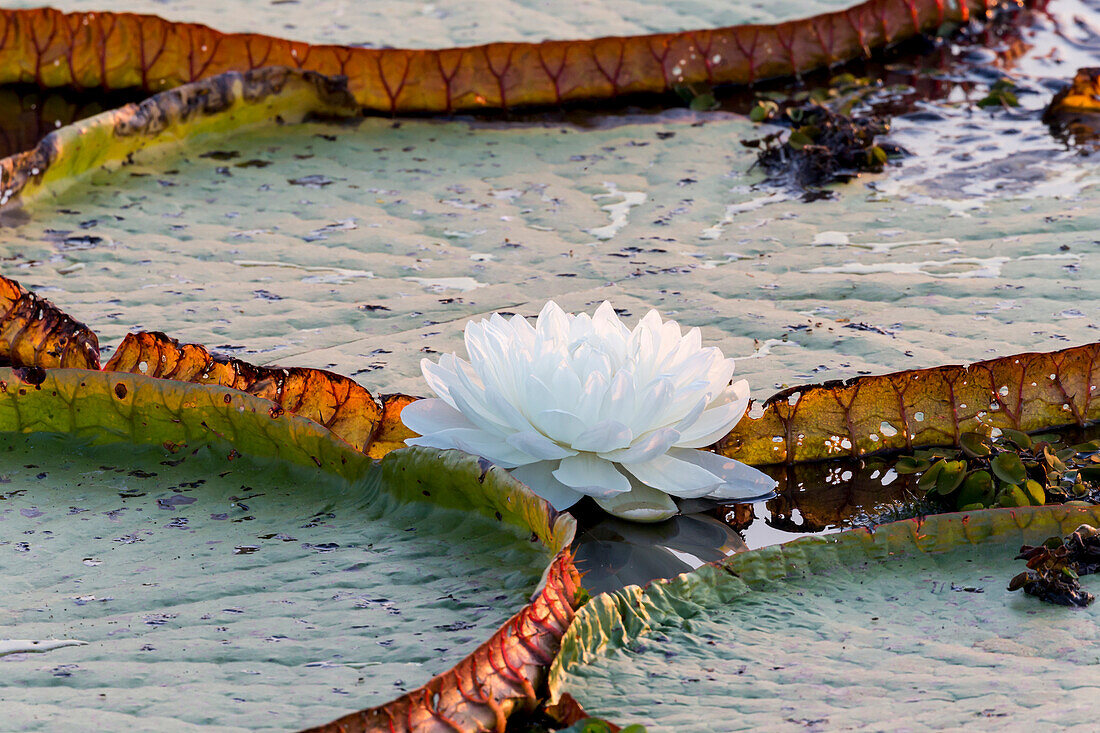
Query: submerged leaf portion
x=332, y=400
x=230, y=101
x=50, y=48
x=483, y=689
x=922, y=407
x=916, y=604
x=34, y=332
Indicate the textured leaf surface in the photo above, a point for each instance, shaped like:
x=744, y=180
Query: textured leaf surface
x=154, y=54
x=269, y=595
x=482, y=690
x=34, y=332
x=921, y=407
x=912, y=622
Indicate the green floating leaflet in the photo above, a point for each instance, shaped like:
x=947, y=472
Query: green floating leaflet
x=913, y=622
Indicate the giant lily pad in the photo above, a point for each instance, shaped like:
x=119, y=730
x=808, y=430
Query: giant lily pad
x=912, y=621
x=262, y=570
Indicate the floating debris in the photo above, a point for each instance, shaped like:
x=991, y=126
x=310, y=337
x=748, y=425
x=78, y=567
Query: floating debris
x=1055, y=567
x=822, y=147
x=1074, y=113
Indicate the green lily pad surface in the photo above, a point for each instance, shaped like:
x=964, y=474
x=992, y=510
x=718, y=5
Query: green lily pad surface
x=912, y=623
x=214, y=588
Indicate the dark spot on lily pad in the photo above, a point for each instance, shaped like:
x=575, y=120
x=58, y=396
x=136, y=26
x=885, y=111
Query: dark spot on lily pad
x=30, y=374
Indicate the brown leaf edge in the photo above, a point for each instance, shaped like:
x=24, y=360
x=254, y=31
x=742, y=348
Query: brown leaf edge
x=500, y=676
x=340, y=404
x=35, y=332
x=922, y=407
x=121, y=50
x=568, y=711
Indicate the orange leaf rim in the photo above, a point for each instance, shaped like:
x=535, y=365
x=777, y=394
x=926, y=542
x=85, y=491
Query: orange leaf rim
x=123, y=50
x=340, y=404
x=919, y=408
x=35, y=332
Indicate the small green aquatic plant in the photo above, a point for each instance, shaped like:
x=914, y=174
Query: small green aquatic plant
x=1001, y=94
x=1012, y=469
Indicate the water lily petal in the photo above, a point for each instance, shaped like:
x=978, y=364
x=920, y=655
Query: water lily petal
x=685, y=479
x=720, y=374
x=552, y=322
x=738, y=480
x=476, y=442
x=645, y=448
x=590, y=400
x=618, y=401
x=438, y=377
x=558, y=425
x=566, y=386
x=507, y=411
x=592, y=475
x=718, y=419
x=431, y=415
x=651, y=399
x=641, y=504
x=539, y=446
x=604, y=436
x=692, y=416
x=470, y=399
x=538, y=396
x=540, y=478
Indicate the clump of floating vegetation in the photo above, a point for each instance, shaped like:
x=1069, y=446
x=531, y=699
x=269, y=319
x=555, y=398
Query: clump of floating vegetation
x=827, y=141
x=1054, y=568
x=1012, y=469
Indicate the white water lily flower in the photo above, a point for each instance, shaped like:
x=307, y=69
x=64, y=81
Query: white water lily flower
x=580, y=404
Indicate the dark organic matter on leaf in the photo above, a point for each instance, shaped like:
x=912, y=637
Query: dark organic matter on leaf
x=823, y=147
x=1054, y=568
